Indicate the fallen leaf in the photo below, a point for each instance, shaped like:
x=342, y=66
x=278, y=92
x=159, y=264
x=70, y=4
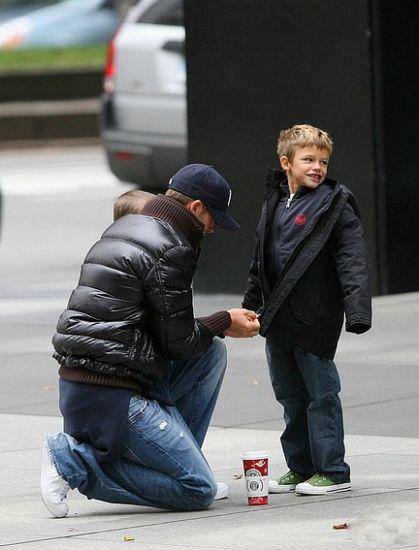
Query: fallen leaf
x=48, y=388
x=127, y=538
x=341, y=526
x=238, y=476
x=255, y=383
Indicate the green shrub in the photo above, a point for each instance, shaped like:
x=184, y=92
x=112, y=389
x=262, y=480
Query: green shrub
x=53, y=58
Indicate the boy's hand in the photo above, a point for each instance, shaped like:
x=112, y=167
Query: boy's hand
x=244, y=323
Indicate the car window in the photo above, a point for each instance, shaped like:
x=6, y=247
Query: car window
x=164, y=12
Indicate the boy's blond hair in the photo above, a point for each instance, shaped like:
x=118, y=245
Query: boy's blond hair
x=301, y=135
x=131, y=202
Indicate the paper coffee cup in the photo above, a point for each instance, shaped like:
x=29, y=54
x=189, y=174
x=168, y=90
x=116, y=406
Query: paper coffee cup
x=255, y=466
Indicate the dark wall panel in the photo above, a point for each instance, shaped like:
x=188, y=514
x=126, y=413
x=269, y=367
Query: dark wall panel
x=258, y=66
x=400, y=72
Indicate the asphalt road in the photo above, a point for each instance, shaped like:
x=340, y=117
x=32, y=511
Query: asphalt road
x=57, y=202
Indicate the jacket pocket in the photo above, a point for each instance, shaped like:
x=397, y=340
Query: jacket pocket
x=134, y=343
x=301, y=310
x=142, y=346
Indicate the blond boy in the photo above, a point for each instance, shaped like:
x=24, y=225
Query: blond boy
x=309, y=269
x=130, y=202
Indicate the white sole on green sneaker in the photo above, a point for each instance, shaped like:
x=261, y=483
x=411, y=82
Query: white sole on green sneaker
x=276, y=488
x=309, y=489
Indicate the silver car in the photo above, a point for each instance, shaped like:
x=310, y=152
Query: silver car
x=64, y=23
x=144, y=106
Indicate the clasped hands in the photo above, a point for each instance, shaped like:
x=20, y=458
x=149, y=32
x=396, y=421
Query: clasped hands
x=244, y=323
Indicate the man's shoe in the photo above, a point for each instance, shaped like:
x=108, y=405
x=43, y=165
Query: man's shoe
x=222, y=490
x=321, y=484
x=285, y=483
x=54, y=488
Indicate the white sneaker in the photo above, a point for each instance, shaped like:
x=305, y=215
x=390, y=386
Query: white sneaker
x=54, y=488
x=222, y=490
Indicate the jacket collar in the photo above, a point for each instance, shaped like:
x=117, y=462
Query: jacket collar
x=276, y=179
x=175, y=214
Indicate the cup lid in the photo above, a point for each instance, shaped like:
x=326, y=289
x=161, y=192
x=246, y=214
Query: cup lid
x=257, y=455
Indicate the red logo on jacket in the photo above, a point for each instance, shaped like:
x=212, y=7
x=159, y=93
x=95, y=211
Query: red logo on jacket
x=300, y=219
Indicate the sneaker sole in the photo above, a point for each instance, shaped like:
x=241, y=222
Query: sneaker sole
x=322, y=491
x=276, y=489
x=59, y=514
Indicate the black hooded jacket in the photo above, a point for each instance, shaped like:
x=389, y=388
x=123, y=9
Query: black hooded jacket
x=310, y=266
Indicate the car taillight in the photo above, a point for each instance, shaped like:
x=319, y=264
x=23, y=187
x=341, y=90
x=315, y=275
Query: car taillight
x=109, y=77
x=124, y=155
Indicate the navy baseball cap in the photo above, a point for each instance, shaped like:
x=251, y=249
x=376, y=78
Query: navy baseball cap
x=204, y=183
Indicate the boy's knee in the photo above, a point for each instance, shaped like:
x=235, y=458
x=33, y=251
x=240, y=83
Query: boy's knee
x=327, y=400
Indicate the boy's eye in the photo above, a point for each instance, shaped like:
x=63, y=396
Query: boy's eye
x=324, y=162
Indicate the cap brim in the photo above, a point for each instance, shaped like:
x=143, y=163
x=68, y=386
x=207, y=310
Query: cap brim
x=224, y=220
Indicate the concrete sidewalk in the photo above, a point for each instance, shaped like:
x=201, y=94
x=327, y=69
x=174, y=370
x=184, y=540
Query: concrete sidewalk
x=382, y=511
x=380, y=381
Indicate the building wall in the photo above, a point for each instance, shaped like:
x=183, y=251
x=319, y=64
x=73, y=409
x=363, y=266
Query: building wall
x=273, y=63
x=400, y=99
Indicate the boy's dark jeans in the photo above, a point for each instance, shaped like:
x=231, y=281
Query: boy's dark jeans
x=307, y=386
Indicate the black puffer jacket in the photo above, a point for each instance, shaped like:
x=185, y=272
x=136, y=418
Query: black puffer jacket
x=324, y=272
x=132, y=309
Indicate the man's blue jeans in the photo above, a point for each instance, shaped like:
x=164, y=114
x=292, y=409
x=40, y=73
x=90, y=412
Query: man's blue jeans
x=162, y=464
x=307, y=386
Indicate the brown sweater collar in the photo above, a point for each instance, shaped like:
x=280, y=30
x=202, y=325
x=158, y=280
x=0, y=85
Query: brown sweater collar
x=169, y=210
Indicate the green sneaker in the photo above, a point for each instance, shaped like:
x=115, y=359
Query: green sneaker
x=285, y=483
x=321, y=484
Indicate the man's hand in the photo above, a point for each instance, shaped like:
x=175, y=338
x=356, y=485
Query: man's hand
x=244, y=324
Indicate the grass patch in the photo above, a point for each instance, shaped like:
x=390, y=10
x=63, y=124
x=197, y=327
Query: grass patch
x=53, y=58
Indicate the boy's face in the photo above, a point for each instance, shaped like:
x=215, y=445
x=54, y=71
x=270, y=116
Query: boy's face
x=308, y=168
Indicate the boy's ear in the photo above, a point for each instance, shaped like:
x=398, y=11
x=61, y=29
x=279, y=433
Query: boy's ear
x=284, y=162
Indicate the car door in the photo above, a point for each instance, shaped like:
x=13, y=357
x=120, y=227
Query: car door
x=150, y=75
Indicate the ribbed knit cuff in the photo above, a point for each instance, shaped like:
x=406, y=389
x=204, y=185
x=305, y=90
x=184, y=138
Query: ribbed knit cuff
x=84, y=376
x=216, y=323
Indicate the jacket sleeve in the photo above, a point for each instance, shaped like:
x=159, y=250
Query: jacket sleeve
x=353, y=270
x=253, y=298
x=177, y=334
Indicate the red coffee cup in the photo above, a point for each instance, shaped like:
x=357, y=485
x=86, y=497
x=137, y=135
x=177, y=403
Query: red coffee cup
x=255, y=466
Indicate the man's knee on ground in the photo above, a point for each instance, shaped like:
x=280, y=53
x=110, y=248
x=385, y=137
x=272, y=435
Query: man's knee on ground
x=200, y=497
x=218, y=351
